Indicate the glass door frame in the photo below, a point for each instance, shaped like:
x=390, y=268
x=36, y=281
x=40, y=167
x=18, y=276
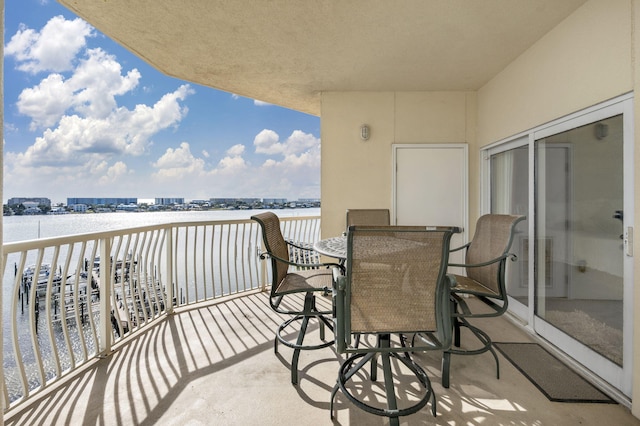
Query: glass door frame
x=522, y=311
x=618, y=377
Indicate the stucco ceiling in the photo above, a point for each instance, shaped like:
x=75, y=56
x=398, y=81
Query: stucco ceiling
x=287, y=52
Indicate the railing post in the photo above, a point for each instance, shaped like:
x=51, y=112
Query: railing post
x=169, y=268
x=106, y=333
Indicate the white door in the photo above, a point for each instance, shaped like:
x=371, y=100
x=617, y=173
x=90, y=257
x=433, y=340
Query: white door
x=430, y=186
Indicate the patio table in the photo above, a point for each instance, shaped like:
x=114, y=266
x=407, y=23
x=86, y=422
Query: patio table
x=333, y=247
x=336, y=247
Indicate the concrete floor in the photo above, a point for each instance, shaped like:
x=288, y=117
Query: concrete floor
x=215, y=364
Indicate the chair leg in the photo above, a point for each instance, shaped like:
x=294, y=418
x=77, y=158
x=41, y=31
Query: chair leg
x=350, y=367
x=487, y=346
x=357, y=340
x=456, y=333
x=392, y=403
x=446, y=366
x=310, y=306
x=350, y=371
x=456, y=323
x=296, y=351
x=309, y=312
x=333, y=397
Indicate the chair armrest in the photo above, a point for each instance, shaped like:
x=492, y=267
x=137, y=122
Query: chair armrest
x=300, y=246
x=264, y=255
x=459, y=248
x=512, y=256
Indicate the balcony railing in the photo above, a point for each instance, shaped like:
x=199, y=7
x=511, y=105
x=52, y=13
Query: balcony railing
x=68, y=300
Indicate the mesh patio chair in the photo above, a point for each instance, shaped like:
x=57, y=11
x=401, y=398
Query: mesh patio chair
x=291, y=278
x=372, y=217
x=367, y=217
x=485, y=263
x=409, y=295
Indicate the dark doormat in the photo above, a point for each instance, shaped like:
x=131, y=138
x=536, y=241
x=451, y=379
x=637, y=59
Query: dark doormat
x=554, y=379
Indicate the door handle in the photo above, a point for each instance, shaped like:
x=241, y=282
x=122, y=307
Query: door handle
x=628, y=241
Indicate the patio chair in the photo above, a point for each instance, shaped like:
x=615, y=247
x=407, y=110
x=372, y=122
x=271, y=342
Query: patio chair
x=367, y=217
x=410, y=295
x=485, y=262
x=291, y=278
x=373, y=217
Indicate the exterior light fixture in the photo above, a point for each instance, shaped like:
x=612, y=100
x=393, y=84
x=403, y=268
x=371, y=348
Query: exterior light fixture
x=601, y=130
x=364, y=132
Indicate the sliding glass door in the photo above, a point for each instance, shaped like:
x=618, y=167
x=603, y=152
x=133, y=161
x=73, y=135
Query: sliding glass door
x=573, y=281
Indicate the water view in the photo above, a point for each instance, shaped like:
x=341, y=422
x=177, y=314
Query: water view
x=53, y=296
x=24, y=228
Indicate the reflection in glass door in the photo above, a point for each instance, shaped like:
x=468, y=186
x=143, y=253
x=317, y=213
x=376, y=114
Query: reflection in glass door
x=579, y=229
x=510, y=195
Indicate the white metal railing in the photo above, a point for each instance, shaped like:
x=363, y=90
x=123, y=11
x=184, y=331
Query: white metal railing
x=68, y=300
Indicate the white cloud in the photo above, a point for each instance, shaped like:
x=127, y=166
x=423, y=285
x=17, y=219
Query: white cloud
x=113, y=173
x=178, y=164
x=57, y=180
x=261, y=103
x=231, y=164
x=236, y=150
x=90, y=91
x=97, y=81
x=52, y=49
x=268, y=142
x=123, y=132
x=293, y=169
x=179, y=157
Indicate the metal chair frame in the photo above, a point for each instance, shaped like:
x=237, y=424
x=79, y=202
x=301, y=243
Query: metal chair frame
x=493, y=295
x=290, y=282
x=360, y=356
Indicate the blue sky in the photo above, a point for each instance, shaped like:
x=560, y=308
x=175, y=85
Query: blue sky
x=84, y=118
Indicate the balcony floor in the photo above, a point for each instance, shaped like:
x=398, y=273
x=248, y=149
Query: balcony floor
x=215, y=364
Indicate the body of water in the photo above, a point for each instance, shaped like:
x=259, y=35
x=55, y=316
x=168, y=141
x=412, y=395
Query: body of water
x=24, y=228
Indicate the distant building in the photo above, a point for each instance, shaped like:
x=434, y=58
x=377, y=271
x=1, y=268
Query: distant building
x=80, y=208
x=127, y=207
x=274, y=200
x=214, y=201
x=101, y=201
x=38, y=201
x=32, y=210
x=168, y=201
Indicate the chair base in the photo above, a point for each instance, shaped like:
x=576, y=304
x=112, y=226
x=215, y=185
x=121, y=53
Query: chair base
x=309, y=312
x=480, y=335
x=348, y=370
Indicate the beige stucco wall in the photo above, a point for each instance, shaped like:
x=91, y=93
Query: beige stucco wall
x=357, y=173
x=635, y=66
x=583, y=61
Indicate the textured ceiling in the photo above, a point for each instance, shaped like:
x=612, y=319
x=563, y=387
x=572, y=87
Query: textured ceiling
x=288, y=51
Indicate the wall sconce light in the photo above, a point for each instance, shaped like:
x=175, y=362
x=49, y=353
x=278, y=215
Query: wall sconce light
x=364, y=132
x=602, y=130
